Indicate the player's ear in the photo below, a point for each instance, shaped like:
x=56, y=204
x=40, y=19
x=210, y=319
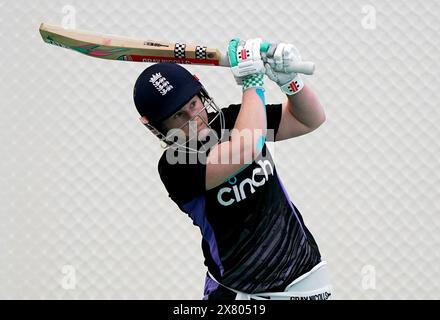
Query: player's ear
x=143, y=120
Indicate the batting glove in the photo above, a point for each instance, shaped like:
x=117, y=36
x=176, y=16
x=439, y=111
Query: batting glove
x=246, y=64
x=278, y=59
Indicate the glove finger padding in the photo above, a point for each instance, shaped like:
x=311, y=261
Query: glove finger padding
x=281, y=56
x=267, y=56
x=279, y=78
x=290, y=52
x=245, y=58
x=278, y=58
x=270, y=73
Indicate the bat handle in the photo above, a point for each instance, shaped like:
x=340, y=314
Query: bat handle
x=304, y=67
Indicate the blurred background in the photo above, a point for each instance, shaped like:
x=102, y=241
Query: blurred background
x=83, y=212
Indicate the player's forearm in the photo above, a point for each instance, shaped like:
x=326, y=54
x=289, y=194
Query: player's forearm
x=251, y=122
x=306, y=108
x=252, y=113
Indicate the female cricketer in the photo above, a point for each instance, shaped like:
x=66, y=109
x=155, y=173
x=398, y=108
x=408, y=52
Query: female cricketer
x=217, y=169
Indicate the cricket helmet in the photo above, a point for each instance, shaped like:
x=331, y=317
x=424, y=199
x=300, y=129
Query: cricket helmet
x=163, y=89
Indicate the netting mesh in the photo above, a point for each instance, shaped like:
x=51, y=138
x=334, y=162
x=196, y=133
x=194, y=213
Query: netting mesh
x=84, y=214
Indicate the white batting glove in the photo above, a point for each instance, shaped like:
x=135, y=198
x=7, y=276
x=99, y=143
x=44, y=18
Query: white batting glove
x=246, y=63
x=278, y=59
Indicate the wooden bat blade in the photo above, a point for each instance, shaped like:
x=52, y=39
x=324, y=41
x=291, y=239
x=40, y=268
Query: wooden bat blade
x=126, y=49
x=113, y=47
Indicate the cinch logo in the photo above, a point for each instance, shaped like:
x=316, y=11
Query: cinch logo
x=161, y=83
x=227, y=195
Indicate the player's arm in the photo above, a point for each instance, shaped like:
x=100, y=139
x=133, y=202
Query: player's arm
x=228, y=158
x=301, y=113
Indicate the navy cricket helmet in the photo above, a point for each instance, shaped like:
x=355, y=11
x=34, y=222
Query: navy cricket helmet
x=163, y=89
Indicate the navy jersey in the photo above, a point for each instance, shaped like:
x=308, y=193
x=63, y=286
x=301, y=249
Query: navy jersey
x=253, y=237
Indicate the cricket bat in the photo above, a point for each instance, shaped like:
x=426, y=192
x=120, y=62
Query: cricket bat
x=126, y=49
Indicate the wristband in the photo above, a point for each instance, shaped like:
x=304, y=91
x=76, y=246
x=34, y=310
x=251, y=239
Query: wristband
x=293, y=86
x=253, y=81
